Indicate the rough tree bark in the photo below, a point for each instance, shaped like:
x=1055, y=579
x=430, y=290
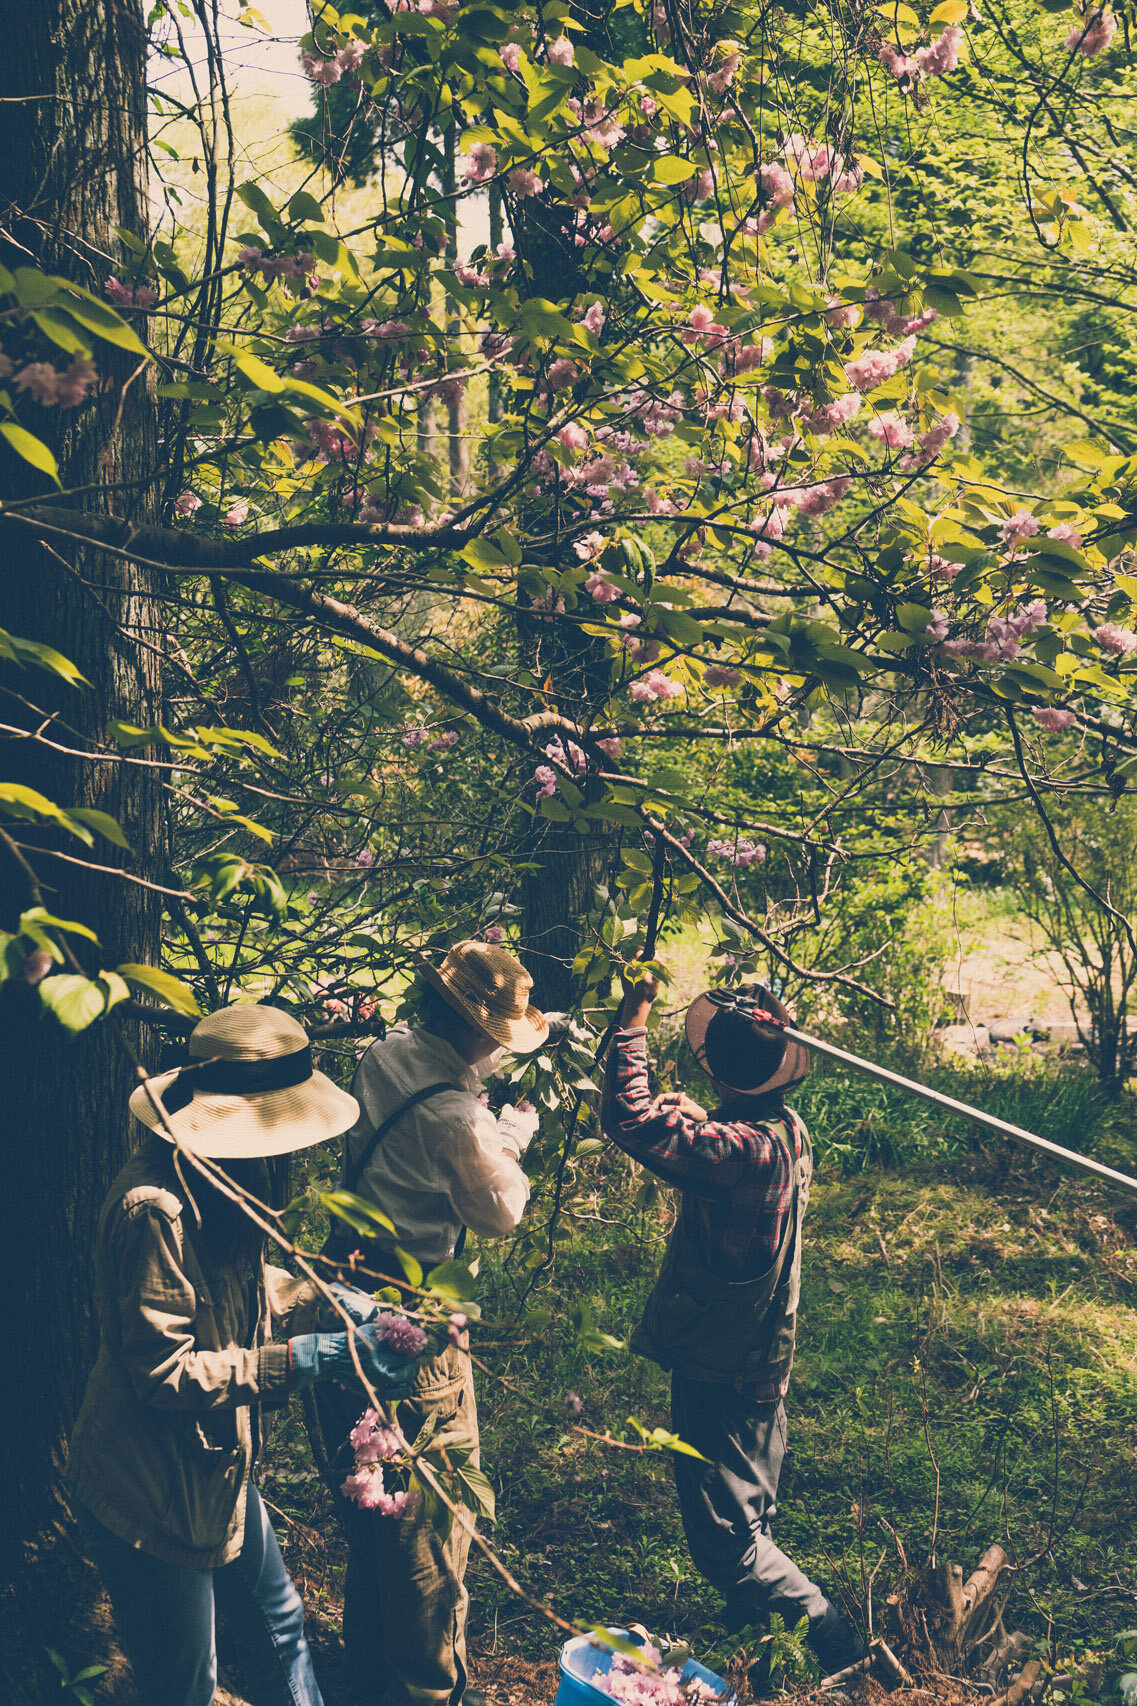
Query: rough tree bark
x=73, y=141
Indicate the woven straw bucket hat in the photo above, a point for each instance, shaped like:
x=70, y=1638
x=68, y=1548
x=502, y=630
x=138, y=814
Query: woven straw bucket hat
x=491, y=989
x=249, y=1088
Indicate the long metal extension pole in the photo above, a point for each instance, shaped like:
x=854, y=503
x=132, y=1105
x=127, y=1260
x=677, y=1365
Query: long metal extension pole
x=1084, y=1162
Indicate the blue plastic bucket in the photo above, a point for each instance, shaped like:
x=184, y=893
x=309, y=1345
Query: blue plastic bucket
x=584, y=1658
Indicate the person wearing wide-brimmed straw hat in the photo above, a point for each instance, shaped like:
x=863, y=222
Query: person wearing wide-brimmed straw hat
x=160, y=1460
x=435, y=1160
x=723, y=1313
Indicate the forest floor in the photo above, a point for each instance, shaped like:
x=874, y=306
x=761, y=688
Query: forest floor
x=967, y=1373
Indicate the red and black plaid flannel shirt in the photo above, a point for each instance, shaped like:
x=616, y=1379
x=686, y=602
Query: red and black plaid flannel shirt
x=736, y=1178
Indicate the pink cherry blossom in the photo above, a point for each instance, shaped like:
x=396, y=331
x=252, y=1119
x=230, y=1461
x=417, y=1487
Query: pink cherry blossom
x=563, y=374
x=1115, y=638
x=401, y=1333
x=655, y=685
x=547, y=778
x=510, y=56
x=609, y=745
x=561, y=52
x=322, y=71
x=350, y=58
x=188, y=503
x=1066, y=533
x=830, y=416
x=900, y=64
x=237, y=514
x=481, y=163
x=893, y=432
x=1090, y=38
x=524, y=182
x=741, y=854
x=593, y=318
x=601, y=590
x=1053, y=719
x=589, y=547
x=717, y=676
x=942, y=55
x=493, y=933
x=71, y=387
x=1022, y=525
x=40, y=380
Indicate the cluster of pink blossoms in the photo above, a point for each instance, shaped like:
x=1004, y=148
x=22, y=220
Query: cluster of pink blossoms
x=1053, y=719
x=130, y=296
x=633, y=1683
x=935, y=60
x=741, y=854
x=933, y=441
x=1003, y=635
x=1090, y=35
x=892, y=430
x=329, y=71
x=374, y=1444
x=865, y=372
x=481, y=164
x=1114, y=638
x=48, y=384
x=655, y=685
x=296, y=267
x=400, y=1332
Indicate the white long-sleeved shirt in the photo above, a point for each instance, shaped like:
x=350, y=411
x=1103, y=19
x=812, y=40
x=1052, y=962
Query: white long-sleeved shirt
x=445, y=1164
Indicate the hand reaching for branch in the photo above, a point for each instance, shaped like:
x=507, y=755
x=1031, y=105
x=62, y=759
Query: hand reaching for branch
x=639, y=994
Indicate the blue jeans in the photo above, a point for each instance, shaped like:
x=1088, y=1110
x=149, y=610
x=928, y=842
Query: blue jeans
x=166, y=1618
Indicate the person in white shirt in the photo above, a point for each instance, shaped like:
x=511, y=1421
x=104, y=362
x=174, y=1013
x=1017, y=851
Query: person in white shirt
x=434, y=1158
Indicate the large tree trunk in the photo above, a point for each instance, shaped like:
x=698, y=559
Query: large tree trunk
x=73, y=141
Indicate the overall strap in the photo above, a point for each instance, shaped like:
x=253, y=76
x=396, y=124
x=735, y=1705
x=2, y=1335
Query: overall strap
x=353, y=1171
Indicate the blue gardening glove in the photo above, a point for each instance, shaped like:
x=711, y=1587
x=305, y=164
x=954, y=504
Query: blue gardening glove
x=360, y=1305
x=326, y=1356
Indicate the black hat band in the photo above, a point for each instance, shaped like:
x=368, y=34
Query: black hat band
x=237, y=1078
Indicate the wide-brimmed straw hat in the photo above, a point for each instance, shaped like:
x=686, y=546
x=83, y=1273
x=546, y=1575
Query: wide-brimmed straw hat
x=491, y=989
x=776, y=1062
x=248, y=1089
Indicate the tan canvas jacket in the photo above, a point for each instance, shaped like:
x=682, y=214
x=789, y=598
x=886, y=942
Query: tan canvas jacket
x=170, y=1424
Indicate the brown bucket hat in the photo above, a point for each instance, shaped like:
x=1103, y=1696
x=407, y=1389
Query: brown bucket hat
x=491, y=989
x=777, y=1062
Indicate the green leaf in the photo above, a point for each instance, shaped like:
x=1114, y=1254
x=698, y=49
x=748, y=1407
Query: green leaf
x=412, y=1267
x=361, y=1215
x=31, y=448
x=669, y=169
x=59, y=329
x=453, y=1279
x=257, y=202
x=39, y=917
x=171, y=991
x=28, y=805
x=258, y=373
x=76, y=1001
x=304, y=206
x=43, y=657
x=102, y=823
x=477, y=1491
x=101, y=320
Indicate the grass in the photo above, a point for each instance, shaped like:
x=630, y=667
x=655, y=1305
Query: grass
x=967, y=1372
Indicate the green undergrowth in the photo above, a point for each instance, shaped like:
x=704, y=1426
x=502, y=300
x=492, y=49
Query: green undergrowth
x=966, y=1373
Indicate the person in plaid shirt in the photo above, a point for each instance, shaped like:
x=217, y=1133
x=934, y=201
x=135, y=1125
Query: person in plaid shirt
x=722, y=1315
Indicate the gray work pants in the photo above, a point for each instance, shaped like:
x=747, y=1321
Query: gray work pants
x=729, y=1503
